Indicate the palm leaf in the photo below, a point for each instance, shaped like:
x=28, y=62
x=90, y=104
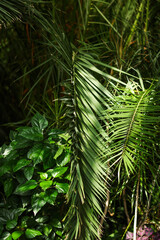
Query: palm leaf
x=89, y=143
x=132, y=129
x=12, y=10
x=85, y=101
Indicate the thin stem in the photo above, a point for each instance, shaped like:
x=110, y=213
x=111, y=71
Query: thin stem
x=134, y=25
x=136, y=208
x=147, y=16
x=104, y=214
x=125, y=206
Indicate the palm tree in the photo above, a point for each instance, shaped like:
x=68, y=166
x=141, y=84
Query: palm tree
x=111, y=111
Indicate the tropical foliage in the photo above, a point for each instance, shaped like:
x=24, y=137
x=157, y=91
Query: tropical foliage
x=34, y=176
x=93, y=68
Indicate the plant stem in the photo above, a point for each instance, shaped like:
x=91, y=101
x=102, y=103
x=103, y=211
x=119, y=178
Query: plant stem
x=104, y=213
x=136, y=208
x=134, y=25
x=125, y=206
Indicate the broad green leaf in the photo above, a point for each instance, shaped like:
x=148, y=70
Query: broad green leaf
x=18, y=211
x=31, y=233
x=28, y=172
x=20, y=164
x=54, y=133
x=47, y=229
x=6, y=236
x=56, y=223
x=42, y=219
x=52, y=197
x=59, y=151
x=6, y=150
x=58, y=171
x=45, y=184
x=62, y=187
x=4, y=215
x=68, y=177
x=11, y=224
x=12, y=156
x=20, y=177
x=38, y=201
x=59, y=233
x=65, y=136
x=16, y=234
x=48, y=160
x=29, y=185
x=39, y=121
x=31, y=133
x=21, y=142
x=36, y=153
x=8, y=187
x=43, y=175
x=63, y=159
x=4, y=169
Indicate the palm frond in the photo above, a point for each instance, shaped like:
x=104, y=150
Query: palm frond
x=12, y=10
x=133, y=129
x=85, y=100
x=89, y=143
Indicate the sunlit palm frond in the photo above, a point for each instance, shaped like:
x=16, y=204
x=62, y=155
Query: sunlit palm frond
x=88, y=173
x=133, y=129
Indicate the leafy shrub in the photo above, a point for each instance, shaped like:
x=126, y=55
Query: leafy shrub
x=34, y=179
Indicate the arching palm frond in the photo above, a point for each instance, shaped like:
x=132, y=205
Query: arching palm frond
x=12, y=10
x=133, y=128
x=88, y=173
x=85, y=100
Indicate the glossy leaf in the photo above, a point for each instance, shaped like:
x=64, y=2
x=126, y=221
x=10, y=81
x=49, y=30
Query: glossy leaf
x=47, y=229
x=11, y=224
x=8, y=187
x=48, y=161
x=43, y=175
x=54, y=133
x=16, y=234
x=20, y=164
x=36, y=153
x=28, y=172
x=39, y=121
x=63, y=159
x=31, y=133
x=62, y=187
x=6, y=236
x=38, y=201
x=31, y=233
x=59, y=233
x=29, y=185
x=52, y=197
x=56, y=223
x=21, y=142
x=59, y=151
x=58, y=171
x=45, y=184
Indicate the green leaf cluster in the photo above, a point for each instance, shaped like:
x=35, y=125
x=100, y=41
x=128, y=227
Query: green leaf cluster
x=34, y=181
